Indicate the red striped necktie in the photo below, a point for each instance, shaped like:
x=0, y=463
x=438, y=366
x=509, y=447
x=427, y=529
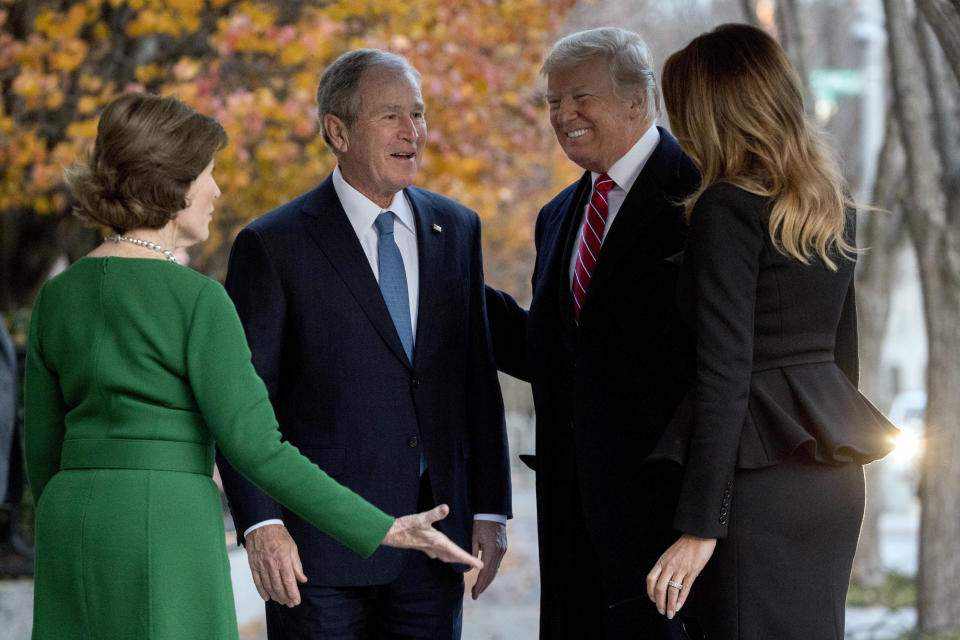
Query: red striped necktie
x=590, y=241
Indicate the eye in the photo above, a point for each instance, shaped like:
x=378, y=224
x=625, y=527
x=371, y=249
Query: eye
x=417, y=115
x=581, y=96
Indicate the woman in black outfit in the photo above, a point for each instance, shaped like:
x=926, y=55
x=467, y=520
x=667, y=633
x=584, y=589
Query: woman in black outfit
x=774, y=433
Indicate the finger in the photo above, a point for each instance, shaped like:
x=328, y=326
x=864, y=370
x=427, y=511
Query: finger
x=436, y=514
x=660, y=592
x=256, y=582
x=288, y=576
x=275, y=586
x=652, y=580
x=475, y=549
x=450, y=552
x=484, y=579
x=672, y=594
x=687, y=586
x=298, y=567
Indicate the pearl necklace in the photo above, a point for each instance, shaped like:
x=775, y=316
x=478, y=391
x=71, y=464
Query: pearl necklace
x=143, y=243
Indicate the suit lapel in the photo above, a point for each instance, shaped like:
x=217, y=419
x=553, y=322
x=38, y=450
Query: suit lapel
x=643, y=205
x=331, y=231
x=558, y=260
x=430, y=252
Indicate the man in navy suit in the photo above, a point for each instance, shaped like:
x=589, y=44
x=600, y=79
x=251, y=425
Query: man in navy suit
x=600, y=346
x=363, y=303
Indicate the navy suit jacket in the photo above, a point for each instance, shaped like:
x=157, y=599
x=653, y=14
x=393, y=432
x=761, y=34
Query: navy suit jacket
x=343, y=389
x=609, y=385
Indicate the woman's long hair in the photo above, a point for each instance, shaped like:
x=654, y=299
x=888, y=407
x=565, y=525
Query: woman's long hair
x=735, y=104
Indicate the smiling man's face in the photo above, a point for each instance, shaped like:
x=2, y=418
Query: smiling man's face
x=595, y=126
x=382, y=150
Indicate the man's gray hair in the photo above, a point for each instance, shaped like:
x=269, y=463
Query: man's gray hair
x=339, y=90
x=627, y=55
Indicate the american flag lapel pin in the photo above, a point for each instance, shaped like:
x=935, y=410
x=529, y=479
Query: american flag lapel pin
x=437, y=228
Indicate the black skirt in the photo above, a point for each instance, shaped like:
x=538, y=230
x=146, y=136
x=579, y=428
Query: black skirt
x=783, y=570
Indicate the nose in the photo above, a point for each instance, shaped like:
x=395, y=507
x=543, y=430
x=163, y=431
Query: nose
x=216, y=190
x=408, y=129
x=565, y=110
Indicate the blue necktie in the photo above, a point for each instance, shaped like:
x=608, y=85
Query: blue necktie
x=393, y=281
x=393, y=285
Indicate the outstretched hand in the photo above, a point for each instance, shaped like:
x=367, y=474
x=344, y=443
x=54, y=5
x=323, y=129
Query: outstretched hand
x=416, y=532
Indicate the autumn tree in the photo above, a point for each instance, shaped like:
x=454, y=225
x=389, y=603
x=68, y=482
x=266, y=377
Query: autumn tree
x=255, y=66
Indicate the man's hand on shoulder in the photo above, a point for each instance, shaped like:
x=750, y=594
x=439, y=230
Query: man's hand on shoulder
x=275, y=564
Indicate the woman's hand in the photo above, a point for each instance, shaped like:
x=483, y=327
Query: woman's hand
x=416, y=532
x=670, y=580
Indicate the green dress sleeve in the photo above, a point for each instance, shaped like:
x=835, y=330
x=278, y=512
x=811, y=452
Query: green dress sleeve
x=237, y=410
x=44, y=409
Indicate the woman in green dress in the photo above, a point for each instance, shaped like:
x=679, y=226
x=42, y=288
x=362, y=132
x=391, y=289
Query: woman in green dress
x=136, y=367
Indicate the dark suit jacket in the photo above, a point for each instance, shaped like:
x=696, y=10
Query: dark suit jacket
x=345, y=393
x=776, y=359
x=611, y=383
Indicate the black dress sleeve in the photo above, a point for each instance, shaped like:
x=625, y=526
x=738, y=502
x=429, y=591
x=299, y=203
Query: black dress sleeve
x=723, y=252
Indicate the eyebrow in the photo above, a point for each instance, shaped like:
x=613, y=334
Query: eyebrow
x=579, y=87
x=399, y=107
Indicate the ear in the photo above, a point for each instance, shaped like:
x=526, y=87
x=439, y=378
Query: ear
x=336, y=131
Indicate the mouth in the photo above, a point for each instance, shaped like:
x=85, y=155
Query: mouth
x=576, y=133
x=404, y=155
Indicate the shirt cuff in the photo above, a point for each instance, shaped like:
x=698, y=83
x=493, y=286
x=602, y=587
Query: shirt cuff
x=495, y=517
x=261, y=524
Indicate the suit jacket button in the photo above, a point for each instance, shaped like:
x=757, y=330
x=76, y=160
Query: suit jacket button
x=723, y=519
x=415, y=383
x=413, y=441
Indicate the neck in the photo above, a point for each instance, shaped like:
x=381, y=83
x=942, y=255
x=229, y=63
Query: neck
x=382, y=200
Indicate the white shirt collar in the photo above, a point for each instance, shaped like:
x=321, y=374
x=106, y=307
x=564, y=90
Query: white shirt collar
x=625, y=171
x=361, y=211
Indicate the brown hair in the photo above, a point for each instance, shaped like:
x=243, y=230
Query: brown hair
x=736, y=105
x=147, y=153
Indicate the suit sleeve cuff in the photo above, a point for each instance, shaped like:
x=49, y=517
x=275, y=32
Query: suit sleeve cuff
x=495, y=517
x=261, y=524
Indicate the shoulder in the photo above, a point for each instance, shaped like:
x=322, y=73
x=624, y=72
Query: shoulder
x=446, y=208
x=287, y=216
x=724, y=198
x=559, y=204
x=676, y=173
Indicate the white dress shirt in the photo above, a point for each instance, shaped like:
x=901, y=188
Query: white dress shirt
x=362, y=212
x=624, y=173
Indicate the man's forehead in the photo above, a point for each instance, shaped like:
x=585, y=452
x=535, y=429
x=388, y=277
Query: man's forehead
x=577, y=76
x=376, y=87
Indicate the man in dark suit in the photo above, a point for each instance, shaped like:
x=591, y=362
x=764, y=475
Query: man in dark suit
x=600, y=344
x=364, y=309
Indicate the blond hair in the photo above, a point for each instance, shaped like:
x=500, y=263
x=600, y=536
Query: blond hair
x=735, y=104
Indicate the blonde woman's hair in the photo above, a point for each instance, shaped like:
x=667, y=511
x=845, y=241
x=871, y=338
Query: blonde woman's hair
x=736, y=106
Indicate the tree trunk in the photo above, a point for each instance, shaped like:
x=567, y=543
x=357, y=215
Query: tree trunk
x=879, y=232
x=749, y=9
x=790, y=28
x=938, y=578
x=937, y=244
x=944, y=17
